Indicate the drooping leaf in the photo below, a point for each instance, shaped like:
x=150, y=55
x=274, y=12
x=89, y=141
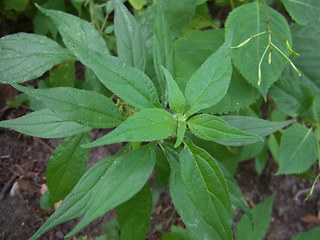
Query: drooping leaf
x=25, y=56
x=80, y=29
x=312, y=234
x=207, y=189
x=255, y=17
x=298, y=150
x=162, y=51
x=147, y=125
x=177, y=101
x=81, y=106
x=44, y=124
x=306, y=41
x=210, y=82
x=134, y=215
x=130, y=45
x=109, y=183
x=124, y=179
x=254, y=125
x=212, y=128
x=188, y=210
x=261, y=217
x=303, y=11
x=65, y=166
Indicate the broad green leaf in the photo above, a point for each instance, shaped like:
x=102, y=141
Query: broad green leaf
x=124, y=179
x=162, y=52
x=204, y=43
x=243, y=23
x=316, y=107
x=312, y=234
x=303, y=11
x=107, y=184
x=125, y=81
x=138, y=4
x=298, y=150
x=63, y=75
x=207, y=189
x=130, y=45
x=261, y=160
x=176, y=233
x=274, y=147
x=177, y=101
x=291, y=95
x=261, y=217
x=212, y=128
x=188, y=210
x=134, y=215
x=240, y=95
x=202, y=18
x=81, y=106
x=162, y=169
x=181, y=130
x=26, y=56
x=210, y=82
x=254, y=125
x=44, y=124
x=80, y=29
x=306, y=41
x=17, y=5
x=147, y=125
x=66, y=165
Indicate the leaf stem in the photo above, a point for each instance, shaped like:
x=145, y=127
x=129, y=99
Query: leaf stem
x=260, y=62
x=248, y=40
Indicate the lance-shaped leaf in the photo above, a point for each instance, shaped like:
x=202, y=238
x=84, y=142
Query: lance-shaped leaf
x=254, y=125
x=27, y=56
x=303, y=11
x=261, y=217
x=181, y=130
x=81, y=106
x=187, y=209
x=255, y=17
x=109, y=183
x=177, y=101
x=134, y=215
x=131, y=47
x=212, y=128
x=147, y=125
x=124, y=179
x=80, y=29
x=210, y=82
x=162, y=50
x=207, y=189
x=44, y=124
x=298, y=150
x=66, y=165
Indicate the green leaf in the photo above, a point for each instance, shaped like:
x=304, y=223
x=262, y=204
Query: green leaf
x=134, y=215
x=138, y=4
x=212, y=128
x=44, y=124
x=181, y=130
x=188, y=210
x=177, y=101
x=204, y=43
x=207, y=188
x=316, y=107
x=312, y=234
x=274, y=147
x=130, y=44
x=26, y=56
x=17, y=5
x=125, y=179
x=162, y=51
x=84, y=107
x=245, y=22
x=66, y=165
x=107, y=184
x=261, y=217
x=80, y=29
x=298, y=150
x=303, y=11
x=202, y=18
x=63, y=75
x=210, y=82
x=147, y=125
x=176, y=233
x=306, y=41
x=254, y=125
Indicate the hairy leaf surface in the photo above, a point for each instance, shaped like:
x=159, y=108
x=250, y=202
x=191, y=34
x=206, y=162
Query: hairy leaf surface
x=26, y=56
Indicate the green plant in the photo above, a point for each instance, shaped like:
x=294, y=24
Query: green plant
x=167, y=104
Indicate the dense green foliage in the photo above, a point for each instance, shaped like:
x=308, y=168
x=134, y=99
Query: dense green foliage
x=182, y=92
